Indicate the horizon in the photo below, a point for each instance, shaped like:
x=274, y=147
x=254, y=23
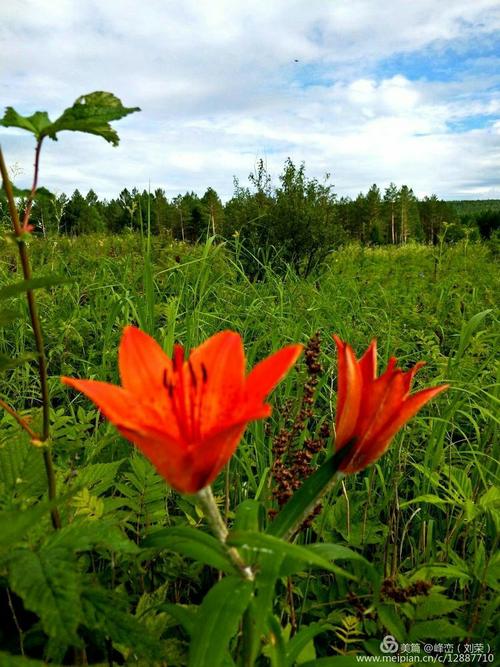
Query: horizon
x=190, y=191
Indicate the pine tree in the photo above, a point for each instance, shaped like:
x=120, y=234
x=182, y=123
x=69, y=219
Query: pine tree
x=373, y=215
x=389, y=213
x=214, y=211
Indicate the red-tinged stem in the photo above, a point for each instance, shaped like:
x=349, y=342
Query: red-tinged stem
x=34, y=185
x=22, y=422
x=35, y=320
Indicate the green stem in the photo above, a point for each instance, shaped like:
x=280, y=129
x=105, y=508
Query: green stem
x=35, y=319
x=206, y=501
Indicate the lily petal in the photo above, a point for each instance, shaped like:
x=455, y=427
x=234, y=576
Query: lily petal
x=211, y=456
x=409, y=408
x=142, y=364
x=168, y=455
x=219, y=363
x=269, y=372
x=122, y=408
x=348, y=393
x=371, y=410
x=368, y=363
x=381, y=401
x=187, y=417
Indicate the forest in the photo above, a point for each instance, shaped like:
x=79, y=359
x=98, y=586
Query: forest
x=299, y=221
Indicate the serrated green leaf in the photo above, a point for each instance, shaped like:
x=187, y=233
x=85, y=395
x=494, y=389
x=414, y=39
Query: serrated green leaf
x=22, y=472
x=391, y=621
x=98, y=477
x=35, y=283
x=489, y=502
x=444, y=571
x=37, y=123
x=106, y=613
x=217, y=621
x=435, y=604
x=250, y=541
x=190, y=542
x=86, y=534
x=49, y=584
x=92, y=113
x=438, y=629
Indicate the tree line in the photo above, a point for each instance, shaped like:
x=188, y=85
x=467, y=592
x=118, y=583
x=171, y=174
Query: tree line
x=300, y=219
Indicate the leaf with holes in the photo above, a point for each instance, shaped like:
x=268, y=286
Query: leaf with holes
x=92, y=113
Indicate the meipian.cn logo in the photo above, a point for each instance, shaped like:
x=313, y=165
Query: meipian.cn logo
x=389, y=644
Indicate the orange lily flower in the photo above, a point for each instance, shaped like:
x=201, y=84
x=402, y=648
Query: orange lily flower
x=187, y=416
x=371, y=409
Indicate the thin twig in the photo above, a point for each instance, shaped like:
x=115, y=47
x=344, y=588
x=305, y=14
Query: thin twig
x=16, y=622
x=34, y=185
x=20, y=420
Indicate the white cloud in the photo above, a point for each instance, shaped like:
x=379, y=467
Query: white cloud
x=219, y=88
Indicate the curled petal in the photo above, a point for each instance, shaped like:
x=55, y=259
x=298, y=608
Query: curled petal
x=371, y=410
x=409, y=375
x=368, y=363
x=409, y=408
x=348, y=394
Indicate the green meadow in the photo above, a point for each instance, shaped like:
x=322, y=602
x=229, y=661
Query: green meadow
x=416, y=534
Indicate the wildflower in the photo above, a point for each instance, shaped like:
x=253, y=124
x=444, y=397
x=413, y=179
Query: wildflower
x=371, y=409
x=187, y=416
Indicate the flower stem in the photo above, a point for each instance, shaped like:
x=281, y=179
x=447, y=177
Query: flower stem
x=35, y=321
x=206, y=501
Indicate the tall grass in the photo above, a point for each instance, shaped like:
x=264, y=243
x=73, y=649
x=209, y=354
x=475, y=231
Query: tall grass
x=429, y=508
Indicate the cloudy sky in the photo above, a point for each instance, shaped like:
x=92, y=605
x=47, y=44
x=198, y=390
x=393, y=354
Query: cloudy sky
x=367, y=90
